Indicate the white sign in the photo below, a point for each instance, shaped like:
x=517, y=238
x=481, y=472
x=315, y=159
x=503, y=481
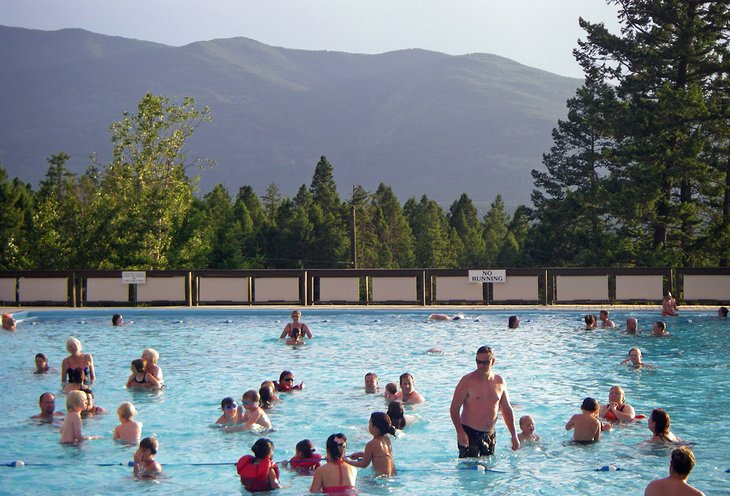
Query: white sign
x=484, y=275
x=134, y=277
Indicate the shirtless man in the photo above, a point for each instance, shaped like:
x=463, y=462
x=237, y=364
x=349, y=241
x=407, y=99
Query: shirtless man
x=371, y=383
x=632, y=325
x=605, y=321
x=680, y=466
x=409, y=395
x=482, y=394
x=669, y=306
x=47, y=402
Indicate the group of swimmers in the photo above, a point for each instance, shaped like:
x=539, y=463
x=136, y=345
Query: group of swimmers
x=339, y=473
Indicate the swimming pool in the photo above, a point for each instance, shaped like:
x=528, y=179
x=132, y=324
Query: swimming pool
x=549, y=363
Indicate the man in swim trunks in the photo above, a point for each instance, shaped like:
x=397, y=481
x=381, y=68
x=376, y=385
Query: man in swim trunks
x=478, y=398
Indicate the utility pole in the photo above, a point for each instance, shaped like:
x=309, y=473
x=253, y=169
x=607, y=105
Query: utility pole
x=353, y=232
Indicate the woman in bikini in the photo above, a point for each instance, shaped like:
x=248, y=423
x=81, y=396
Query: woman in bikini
x=76, y=359
x=616, y=410
x=336, y=476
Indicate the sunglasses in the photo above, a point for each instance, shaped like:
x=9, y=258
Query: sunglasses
x=232, y=406
x=289, y=379
x=483, y=362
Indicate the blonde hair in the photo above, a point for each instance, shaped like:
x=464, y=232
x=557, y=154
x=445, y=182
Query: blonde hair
x=153, y=353
x=73, y=341
x=620, y=390
x=127, y=411
x=75, y=399
x=252, y=395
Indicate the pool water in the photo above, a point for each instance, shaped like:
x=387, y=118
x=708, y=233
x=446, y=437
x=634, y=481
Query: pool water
x=550, y=364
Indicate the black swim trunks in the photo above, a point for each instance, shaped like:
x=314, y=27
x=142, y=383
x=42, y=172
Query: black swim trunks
x=480, y=443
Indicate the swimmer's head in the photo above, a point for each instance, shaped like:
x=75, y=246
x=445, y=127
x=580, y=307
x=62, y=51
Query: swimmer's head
x=336, y=446
x=138, y=365
x=407, y=380
x=381, y=423
x=306, y=448
x=485, y=356
x=391, y=388
x=263, y=448
x=722, y=312
x=47, y=402
x=41, y=361
x=117, y=319
x=589, y=405
x=75, y=399
x=295, y=333
x=616, y=394
x=150, y=443
x=286, y=374
x=513, y=322
x=266, y=396
x=371, y=382
x=251, y=397
x=590, y=320
x=682, y=461
x=527, y=424
x=150, y=355
x=659, y=421
x=632, y=324
x=126, y=411
x=73, y=345
x=296, y=314
x=228, y=403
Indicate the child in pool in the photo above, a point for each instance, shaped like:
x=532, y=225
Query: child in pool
x=527, y=425
x=253, y=414
x=306, y=460
x=286, y=382
x=129, y=430
x=335, y=476
x=267, y=394
x=379, y=451
x=231, y=414
x=76, y=380
x=71, y=428
x=259, y=473
x=145, y=465
x=391, y=391
x=397, y=414
x=91, y=409
x=140, y=378
x=296, y=337
x=586, y=424
x=659, y=426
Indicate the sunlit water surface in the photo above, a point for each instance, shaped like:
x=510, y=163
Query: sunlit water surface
x=550, y=364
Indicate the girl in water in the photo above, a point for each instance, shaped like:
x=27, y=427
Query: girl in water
x=659, y=426
x=379, y=451
x=259, y=473
x=336, y=476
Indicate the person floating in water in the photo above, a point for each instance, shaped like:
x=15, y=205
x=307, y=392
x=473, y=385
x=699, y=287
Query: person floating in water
x=478, y=398
x=443, y=316
x=587, y=427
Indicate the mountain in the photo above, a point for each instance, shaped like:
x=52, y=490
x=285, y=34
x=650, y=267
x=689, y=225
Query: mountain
x=422, y=122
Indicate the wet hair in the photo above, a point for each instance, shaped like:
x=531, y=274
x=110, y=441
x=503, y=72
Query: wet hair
x=381, y=421
x=116, y=318
x=40, y=399
x=523, y=419
x=153, y=353
x=723, y=312
x=589, y=404
x=227, y=401
x=127, y=410
x=41, y=355
x=661, y=325
x=391, y=387
x=262, y=448
x=371, y=374
x=603, y=312
x=76, y=376
x=266, y=397
x=336, y=446
x=298, y=312
x=405, y=376
x=75, y=399
x=486, y=349
x=661, y=421
x=396, y=414
x=150, y=443
x=590, y=320
x=512, y=321
x=284, y=374
x=73, y=341
x=138, y=364
x=295, y=333
x=682, y=461
x=252, y=395
x=306, y=448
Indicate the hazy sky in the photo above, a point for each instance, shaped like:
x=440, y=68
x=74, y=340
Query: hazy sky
x=538, y=33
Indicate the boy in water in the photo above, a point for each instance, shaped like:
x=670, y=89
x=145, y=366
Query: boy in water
x=680, y=466
x=527, y=426
x=391, y=391
x=71, y=428
x=253, y=414
x=586, y=424
x=145, y=465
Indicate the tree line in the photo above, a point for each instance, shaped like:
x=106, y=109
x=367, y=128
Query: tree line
x=638, y=175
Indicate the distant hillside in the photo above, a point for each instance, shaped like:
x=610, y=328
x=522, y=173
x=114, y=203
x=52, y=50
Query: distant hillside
x=422, y=122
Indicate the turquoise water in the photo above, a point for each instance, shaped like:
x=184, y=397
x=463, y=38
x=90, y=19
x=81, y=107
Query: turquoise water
x=550, y=364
